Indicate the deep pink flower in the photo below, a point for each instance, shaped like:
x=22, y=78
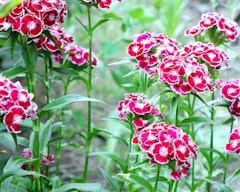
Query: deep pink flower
x=15, y=104
x=137, y=104
x=166, y=143
x=235, y=108
x=31, y=26
x=209, y=20
x=135, y=49
x=13, y=118
x=230, y=91
x=234, y=144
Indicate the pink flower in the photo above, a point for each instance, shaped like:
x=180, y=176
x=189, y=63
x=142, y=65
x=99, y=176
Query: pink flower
x=15, y=105
x=209, y=20
x=234, y=144
x=166, y=143
x=135, y=49
x=13, y=119
x=235, y=108
x=230, y=90
x=137, y=104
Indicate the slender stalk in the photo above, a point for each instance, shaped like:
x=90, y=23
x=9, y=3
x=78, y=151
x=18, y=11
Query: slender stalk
x=175, y=186
x=29, y=56
x=157, y=177
x=59, y=148
x=226, y=162
x=128, y=158
x=89, y=127
x=191, y=104
x=208, y=185
x=47, y=61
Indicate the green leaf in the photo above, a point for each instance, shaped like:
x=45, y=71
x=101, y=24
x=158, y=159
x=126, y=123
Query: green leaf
x=234, y=176
x=7, y=7
x=115, y=158
x=219, y=185
x=136, y=13
x=7, y=140
x=99, y=23
x=66, y=71
x=194, y=120
x=112, y=182
x=13, y=72
x=229, y=120
x=19, y=172
x=45, y=133
x=138, y=180
x=79, y=186
x=173, y=109
x=215, y=151
x=67, y=99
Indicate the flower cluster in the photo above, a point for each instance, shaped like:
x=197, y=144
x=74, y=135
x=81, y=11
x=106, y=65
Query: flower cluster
x=101, y=4
x=149, y=48
x=230, y=90
x=187, y=70
x=15, y=104
x=45, y=160
x=75, y=54
x=184, y=70
x=166, y=143
x=228, y=28
x=234, y=142
x=138, y=105
x=31, y=17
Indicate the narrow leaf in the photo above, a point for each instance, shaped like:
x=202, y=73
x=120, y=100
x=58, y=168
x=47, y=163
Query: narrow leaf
x=100, y=23
x=7, y=140
x=194, y=120
x=13, y=72
x=7, y=7
x=220, y=185
x=115, y=158
x=67, y=99
x=112, y=182
x=138, y=180
x=78, y=186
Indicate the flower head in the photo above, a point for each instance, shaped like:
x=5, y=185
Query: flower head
x=226, y=28
x=234, y=142
x=166, y=143
x=15, y=104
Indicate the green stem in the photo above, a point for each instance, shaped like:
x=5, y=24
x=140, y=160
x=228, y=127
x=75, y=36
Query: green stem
x=226, y=162
x=208, y=185
x=59, y=148
x=128, y=158
x=47, y=61
x=157, y=177
x=175, y=186
x=29, y=56
x=89, y=127
x=192, y=104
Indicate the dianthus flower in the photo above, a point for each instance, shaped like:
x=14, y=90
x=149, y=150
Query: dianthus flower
x=183, y=71
x=228, y=29
x=234, y=142
x=149, y=48
x=45, y=159
x=75, y=54
x=101, y=4
x=32, y=17
x=165, y=144
x=138, y=105
x=15, y=105
x=230, y=91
